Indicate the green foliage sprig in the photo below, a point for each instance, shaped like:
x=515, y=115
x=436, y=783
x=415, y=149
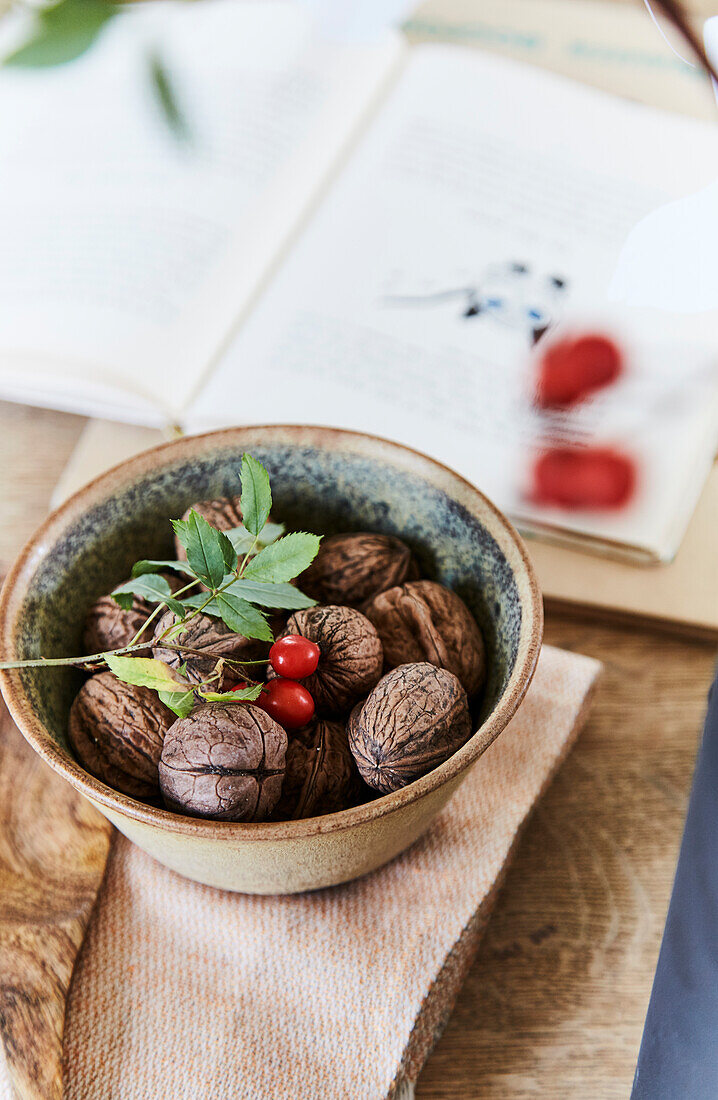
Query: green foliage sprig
x=235, y=576
x=63, y=31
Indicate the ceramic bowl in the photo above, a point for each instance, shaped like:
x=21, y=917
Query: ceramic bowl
x=323, y=480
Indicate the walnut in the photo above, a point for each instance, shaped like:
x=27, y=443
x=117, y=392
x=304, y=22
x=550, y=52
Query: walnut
x=224, y=513
x=108, y=627
x=224, y=761
x=415, y=718
x=350, y=569
x=351, y=658
x=321, y=776
x=205, y=634
x=423, y=621
x=117, y=731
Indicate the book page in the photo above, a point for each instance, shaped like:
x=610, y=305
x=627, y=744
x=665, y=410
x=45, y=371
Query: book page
x=485, y=211
x=127, y=251
x=615, y=47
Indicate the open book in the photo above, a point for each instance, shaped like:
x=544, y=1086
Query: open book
x=364, y=236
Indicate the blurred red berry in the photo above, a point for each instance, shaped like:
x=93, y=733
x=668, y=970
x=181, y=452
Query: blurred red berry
x=571, y=369
x=592, y=477
x=288, y=703
x=294, y=656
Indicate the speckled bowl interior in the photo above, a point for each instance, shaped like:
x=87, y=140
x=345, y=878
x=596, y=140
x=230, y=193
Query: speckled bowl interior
x=322, y=480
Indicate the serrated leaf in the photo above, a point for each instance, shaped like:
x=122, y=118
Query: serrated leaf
x=266, y=594
x=241, y=617
x=284, y=559
x=229, y=554
x=177, y=606
x=62, y=32
x=145, y=672
x=241, y=695
x=197, y=599
x=223, y=610
x=140, y=568
x=256, y=499
x=150, y=587
x=209, y=551
x=243, y=541
x=181, y=705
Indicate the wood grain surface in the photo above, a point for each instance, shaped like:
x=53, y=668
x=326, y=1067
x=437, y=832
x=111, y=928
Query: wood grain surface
x=554, y=1004
x=53, y=850
x=35, y=444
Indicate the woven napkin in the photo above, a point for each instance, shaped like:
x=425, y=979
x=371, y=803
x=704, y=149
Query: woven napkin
x=188, y=992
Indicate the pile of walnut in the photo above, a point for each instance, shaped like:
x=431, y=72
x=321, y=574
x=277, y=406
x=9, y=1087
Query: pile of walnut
x=399, y=660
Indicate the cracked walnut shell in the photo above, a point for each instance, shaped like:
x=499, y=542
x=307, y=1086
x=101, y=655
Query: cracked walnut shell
x=117, y=731
x=350, y=569
x=423, y=621
x=108, y=627
x=351, y=660
x=415, y=718
x=224, y=761
x=203, y=633
x=321, y=776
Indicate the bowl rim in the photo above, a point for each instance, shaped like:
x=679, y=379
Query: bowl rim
x=100, y=487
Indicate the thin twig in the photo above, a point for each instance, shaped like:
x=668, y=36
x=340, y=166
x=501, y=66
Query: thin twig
x=97, y=659
x=159, y=607
x=676, y=15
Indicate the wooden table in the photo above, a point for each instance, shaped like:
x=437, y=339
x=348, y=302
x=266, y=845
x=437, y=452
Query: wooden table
x=555, y=1002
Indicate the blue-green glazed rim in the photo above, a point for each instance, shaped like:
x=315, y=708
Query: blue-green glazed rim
x=323, y=479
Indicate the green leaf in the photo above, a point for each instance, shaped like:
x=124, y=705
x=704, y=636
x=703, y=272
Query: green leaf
x=150, y=566
x=145, y=672
x=284, y=559
x=266, y=594
x=261, y=593
x=240, y=616
x=177, y=606
x=243, y=541
x=256, y=500
x=182, y=705
x=197, y=599
x=229, y=553
x=173, y=632
x=242, y=695
x=166, y=97
x=209, y=552
x=151, y=587
x=62, y=33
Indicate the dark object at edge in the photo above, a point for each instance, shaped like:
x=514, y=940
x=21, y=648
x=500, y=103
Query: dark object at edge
x=675, y=13
x=679, y=1052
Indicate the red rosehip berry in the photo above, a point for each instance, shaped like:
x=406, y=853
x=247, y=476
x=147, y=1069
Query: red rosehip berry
x=294, y=656
x=287, y=702
x=573, y=368
x=594, y=477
